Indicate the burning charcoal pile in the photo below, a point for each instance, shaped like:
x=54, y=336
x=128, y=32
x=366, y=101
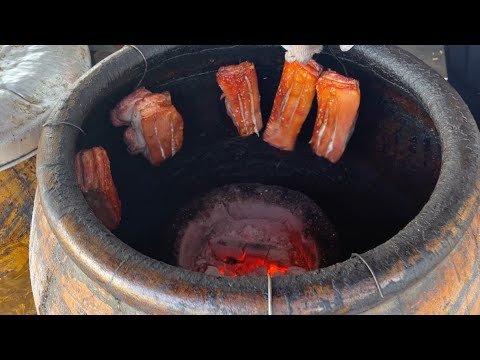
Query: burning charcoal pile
x=254, y=229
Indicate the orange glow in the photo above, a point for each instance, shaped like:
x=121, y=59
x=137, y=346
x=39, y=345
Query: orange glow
x=250, y=265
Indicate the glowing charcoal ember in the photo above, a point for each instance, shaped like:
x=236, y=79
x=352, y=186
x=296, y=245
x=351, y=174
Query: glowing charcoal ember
x=242, y=99
x=92, y=169
x=253, y=229
x=155, y=126
x=254, y=267
x=292, y=104
x=338, y=103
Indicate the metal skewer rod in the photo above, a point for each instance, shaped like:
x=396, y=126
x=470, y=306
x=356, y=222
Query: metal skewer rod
x=269, y=286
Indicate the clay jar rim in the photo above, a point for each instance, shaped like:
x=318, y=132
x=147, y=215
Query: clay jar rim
x=156, y=287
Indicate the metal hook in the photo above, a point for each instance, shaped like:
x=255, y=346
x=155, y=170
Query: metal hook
x=146, y=64
x=65, y=123
x=371, y=272
x=328, y=52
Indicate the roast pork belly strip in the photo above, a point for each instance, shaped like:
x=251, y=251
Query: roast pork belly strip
x=92, y=168
x=242, y=99
x=123, y=113
x=155, y=127
x=292, y=103
x=338, y=102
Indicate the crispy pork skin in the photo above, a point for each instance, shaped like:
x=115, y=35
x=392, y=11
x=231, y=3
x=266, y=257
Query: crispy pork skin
x=92, y=168
x=338, y=103
x=122, y=114
x=292, y=104
x=242, y=99
x=155, y=127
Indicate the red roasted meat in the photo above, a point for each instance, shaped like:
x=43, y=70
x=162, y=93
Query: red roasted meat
x=292, y=103
x=338, y=104
x=242, y=99
x=92, y=168
x=155, y=127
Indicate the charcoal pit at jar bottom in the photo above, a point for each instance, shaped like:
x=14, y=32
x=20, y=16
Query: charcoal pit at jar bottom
x=252, y=230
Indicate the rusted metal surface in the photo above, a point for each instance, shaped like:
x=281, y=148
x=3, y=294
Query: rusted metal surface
x=427, y=267
x=17, y=191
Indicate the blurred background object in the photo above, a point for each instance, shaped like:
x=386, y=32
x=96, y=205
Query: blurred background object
x=17, y=192
x=32, y=79
x=432, y=55
x=463, y=65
